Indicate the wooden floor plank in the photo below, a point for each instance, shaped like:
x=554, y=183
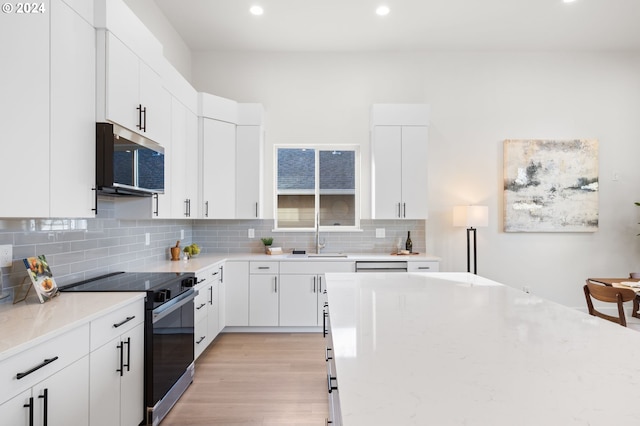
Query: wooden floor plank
x=257, y=379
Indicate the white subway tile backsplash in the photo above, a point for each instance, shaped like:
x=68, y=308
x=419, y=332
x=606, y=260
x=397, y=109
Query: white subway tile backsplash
x=78, y=249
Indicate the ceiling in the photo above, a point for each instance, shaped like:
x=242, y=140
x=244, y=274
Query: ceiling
x=352, y=25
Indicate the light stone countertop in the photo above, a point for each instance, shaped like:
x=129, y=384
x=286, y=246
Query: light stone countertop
x=204, y=261
x=29, y=323
x=459, y=349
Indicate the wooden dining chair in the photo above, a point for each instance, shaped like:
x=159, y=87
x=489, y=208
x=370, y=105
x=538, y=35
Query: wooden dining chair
x=608, y=294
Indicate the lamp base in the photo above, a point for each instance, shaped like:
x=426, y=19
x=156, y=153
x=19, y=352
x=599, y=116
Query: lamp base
x=471, y=231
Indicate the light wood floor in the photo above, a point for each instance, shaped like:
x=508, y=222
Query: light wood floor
x=257, y=379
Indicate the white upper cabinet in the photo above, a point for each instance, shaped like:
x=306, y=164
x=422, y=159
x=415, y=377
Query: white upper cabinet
x=184, y=154
x=249, y=161
x=130, y=92
x=48, y=75
x=73, y=114
x=399, y=161
x=218, y=169
x=129, y=66
x=232, y=158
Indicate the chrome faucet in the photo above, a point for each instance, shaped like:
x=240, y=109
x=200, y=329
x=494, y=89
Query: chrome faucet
x=318, y=245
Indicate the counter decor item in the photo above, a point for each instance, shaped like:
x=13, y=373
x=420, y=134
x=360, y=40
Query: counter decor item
x=192, y=250
x=41, y=277
x=175, y=251
x=409, y=244
x=267, y=241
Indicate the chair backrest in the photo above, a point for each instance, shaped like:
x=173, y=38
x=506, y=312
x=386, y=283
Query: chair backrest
x=608, y=294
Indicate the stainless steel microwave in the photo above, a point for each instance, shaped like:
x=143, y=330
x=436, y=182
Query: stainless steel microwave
x=127, y=163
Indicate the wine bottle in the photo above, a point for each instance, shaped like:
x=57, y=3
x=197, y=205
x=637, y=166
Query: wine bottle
x=409, y=244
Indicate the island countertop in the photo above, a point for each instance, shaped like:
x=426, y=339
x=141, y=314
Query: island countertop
x=459, y=349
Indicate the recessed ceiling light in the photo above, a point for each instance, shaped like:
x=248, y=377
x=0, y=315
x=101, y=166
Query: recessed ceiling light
x=256, y=10
x=568, y=1
x=382, y=10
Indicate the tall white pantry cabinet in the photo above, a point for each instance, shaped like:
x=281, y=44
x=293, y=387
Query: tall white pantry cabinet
x=399, y=138
x=47, y=111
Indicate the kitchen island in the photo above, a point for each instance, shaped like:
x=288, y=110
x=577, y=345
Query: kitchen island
x=459, y=349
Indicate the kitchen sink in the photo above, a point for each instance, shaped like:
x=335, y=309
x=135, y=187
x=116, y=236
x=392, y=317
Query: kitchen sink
x=320, y=255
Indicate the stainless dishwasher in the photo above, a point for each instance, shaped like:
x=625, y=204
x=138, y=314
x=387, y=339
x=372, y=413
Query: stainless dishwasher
x=381, y=266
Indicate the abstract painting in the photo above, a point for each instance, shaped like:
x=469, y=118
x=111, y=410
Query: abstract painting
x=551, y=185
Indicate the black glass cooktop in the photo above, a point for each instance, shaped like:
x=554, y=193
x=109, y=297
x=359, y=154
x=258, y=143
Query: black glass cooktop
x=132, y=281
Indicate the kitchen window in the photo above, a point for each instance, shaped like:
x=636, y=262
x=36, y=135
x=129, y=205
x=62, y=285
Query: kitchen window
x=317, y=183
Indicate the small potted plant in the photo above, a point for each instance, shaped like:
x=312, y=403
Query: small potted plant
x=267, y=241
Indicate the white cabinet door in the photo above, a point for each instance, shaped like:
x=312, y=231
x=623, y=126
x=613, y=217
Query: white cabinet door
x=117, y=380
x=298, y=300
x=24, y=84
x=222, y=297
x=414, y=172
x=122, y=84
x=66, y=395
x=213, y=321
x=249, y=159
x=191, y=172
x=73, y=113
x=236, y=300
x=263, y=300
x=156, y=102
x=387, y=172
x=322, y=298
x=200, y=337
x=180, y=178
x=135, y=97
x=399, y=181
x=132, y=380
x=218, y=169
x=16, y=410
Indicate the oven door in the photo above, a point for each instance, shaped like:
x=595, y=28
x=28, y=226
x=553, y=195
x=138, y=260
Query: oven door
x=171, y=349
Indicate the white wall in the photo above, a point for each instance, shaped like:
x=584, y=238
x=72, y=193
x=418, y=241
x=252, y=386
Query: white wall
x=175, y=49
x=477, y=100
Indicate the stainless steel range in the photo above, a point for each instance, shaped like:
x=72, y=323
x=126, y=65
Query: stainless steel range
x=169, y=333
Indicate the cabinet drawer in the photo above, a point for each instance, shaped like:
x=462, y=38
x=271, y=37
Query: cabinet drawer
x=200, y=304
x=316, y=267
x=206, y=275
x=263, y=267
x=61, y=351
x=200, y=336
x=423, y=266
x=116, y=323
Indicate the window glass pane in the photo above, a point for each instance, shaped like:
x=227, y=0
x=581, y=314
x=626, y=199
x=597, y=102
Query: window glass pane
x=296, y=211
x=296, y=188
x=337, y=188
x=296, y=169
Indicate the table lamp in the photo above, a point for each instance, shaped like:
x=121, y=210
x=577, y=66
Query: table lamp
x=471, y=217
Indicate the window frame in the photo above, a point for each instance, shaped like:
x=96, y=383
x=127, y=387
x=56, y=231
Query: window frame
x=357, y=183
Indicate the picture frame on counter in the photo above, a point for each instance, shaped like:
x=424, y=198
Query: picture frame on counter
x=41, y=277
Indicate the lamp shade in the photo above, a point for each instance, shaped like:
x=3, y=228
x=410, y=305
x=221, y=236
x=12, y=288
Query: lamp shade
x=471, y=216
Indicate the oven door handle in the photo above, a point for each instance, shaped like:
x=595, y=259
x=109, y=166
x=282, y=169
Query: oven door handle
x=173, y=304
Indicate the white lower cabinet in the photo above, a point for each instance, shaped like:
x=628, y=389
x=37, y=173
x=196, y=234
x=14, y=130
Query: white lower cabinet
x=236, y=293
x=207, y=308
x=60, y=400
x=48, y=384
x=303, y=290
x=299, y=300
x=116, y=392
x=263, y=300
